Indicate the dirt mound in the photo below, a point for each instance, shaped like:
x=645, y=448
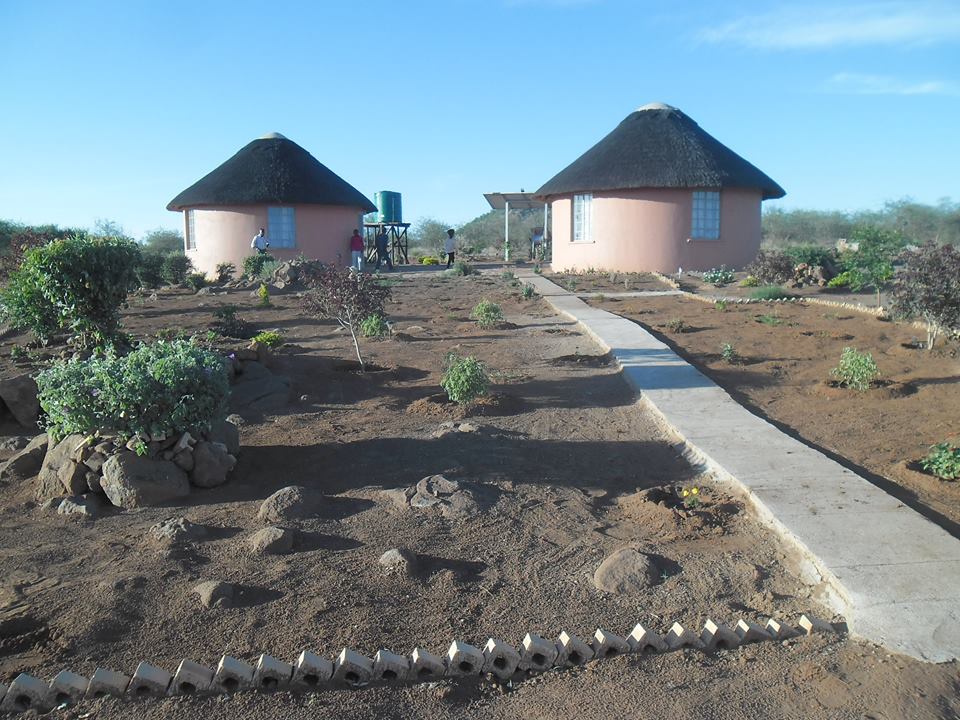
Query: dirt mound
x=583, y=360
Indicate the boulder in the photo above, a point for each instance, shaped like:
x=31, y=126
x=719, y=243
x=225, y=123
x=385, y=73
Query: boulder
x=130, y=481
x=235, y=419
x=81, y=506
x=27, y=462
x=626, y=571
x=211, y=463
x=58, y=456
x=184, y=460
x=14, y=443
x=397, y=561
x=271, y=541
x=176, y=530
x=289, y=503
x=19, y=394
x=226, y=433
x=73, y=477
x=258, y=391
x=215, y=593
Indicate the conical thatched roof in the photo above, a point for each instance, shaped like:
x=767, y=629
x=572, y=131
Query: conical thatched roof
x=271, y=170
x=657, y=146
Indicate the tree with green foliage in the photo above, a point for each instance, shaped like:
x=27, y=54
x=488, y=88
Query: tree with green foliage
x=429, y=234
x=871, y=264
x=163, y=241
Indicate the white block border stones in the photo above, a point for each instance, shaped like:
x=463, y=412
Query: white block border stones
x=106, y=682
x=232, y=675
x=810, y=625
x=538, y=655
x=148, y=681
x=463, y=659
x=607, y=645
x=67, y=687
x=779, y=630
x=716, y=636
x=679, y=637
x=311, y=670
x=390, y=667
x=271, y=674
x=643, y=640
x=500, y=659
x=352, y=668
x=425, y=666
x=190, y=678
x=749, y=632
x=572, y=651
x=26, y=693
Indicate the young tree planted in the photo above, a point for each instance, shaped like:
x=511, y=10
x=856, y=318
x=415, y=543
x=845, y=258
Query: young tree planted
x=871, y=264
x=349, y=298
x=928, y=287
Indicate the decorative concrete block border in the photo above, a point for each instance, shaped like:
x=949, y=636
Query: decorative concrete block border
x=311, y=672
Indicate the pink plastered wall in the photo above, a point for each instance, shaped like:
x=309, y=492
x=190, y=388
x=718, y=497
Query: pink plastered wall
x=223, y=234
x=642, y=230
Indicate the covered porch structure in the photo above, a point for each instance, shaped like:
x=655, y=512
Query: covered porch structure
x=507, y=201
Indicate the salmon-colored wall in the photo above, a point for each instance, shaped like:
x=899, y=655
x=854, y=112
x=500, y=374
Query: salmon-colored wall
x=642, y=230
x=223, y=234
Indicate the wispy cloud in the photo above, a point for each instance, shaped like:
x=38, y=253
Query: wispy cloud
x=860, y=84
x=873, y=23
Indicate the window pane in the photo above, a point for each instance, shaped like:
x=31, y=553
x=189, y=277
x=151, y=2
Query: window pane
x=582, y=217
x=191, y=230
x=281, y=227
x=705, y=219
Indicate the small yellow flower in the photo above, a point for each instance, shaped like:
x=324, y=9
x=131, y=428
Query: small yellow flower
x=695, y=491
x=685, y=493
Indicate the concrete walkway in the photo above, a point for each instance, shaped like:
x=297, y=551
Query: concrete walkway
x=892, y=573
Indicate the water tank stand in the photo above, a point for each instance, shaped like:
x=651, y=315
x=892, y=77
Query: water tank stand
x=397, y=241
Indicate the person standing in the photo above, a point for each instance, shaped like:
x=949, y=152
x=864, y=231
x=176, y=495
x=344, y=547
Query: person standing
x=450, y=246
x=383, y=249
x=356, y=251
x=260, y=242
x=536, y=243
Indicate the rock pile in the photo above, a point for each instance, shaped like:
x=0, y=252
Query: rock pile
x=804, y=274
x=456, y=499
x=77, y=466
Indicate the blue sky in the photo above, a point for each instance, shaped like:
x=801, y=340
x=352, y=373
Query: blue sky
x=112, y=108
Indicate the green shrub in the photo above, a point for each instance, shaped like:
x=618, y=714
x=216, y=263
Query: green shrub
x=225, y=272
x=728, y=354
x=429, y=260
x=718, y=276
x=253, y=265
x=149, y=270
x=166, y=387
x=771, y=292
x=270, y=338
x=528, y=291
x=507, y=275
x=267, y=270
x=840, y=281
x=230, y=325
x=750, y=281
x=537, y=269
x=677, y=325
x=856, y=369
x=464, y=379
x=943, y=460
x=263, y=294
x=720, y=305
x=487, y=314
x=811, y=254
x=176, y=266
x=76, y=284
x=928, y=288
x=461, y=268
x=197, y=280
x=871, y=264
x=374, y=326
x=771, y=320
x=771, y=266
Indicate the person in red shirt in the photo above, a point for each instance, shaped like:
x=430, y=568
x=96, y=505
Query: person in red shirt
x=356, y=251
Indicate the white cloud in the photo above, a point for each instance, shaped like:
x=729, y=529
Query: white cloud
x=860, y=84
x=873, y=23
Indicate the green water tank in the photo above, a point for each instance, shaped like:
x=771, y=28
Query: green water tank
x=389, y=209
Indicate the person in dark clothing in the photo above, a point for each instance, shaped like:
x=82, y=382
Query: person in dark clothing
x=383, y=249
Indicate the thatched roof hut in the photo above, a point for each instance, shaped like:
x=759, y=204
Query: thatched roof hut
x=271, y=170
x=658, y=146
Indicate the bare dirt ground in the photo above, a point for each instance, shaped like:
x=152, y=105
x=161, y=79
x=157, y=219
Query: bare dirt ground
x=563, y=456
x=786, y=354
x=607, y=282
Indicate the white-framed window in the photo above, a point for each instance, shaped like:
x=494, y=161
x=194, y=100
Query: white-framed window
x=191, y=239
x=705, y=223
x=281, y=227
x=582, y=218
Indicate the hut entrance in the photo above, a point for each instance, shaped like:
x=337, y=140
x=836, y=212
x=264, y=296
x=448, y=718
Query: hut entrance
x=516, y=201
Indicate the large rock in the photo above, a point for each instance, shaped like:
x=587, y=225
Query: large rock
x=271, y=541
x=19, y=394
x=397, y=561
x=131, y=481
x=289, y=503
x=626, y=571
x=173, y=531
x=27, y=462
x=59, y=456
x=259, y=391
x=215, y=593
x=227, y=433
x=211, y=463
x=82, y=506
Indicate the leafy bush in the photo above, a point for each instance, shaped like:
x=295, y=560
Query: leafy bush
x=263, y=294
x=771, y=320
x=718, y=276
x=943, y=460
x=871, y=264
x=270, y=338
x=225, y=272
x=856, y=369
x=461, y=268
x=812, y=254
x=929, y=287
x=839, y=281
x=230, y=325
x=720, y=305
x=267, y=270
x=253, y=265
x=149, y=270
x=347, y=297
x=749, y=281
x=771, y=292
x=487, y=314
x=77, y=284
x=176, y=266
x=677, y=325
x=429, y=260
x=166, y=387
x=374, y=326
x=507, y=275
x=197, y=280
x=771, y=266
x=728, y=354
x=528, y=291
x=464, y=379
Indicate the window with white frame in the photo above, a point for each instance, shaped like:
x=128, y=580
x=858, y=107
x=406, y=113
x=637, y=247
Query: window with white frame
x=582, y=215
x=705, y=223
x=281, y=227
x=191, y=239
